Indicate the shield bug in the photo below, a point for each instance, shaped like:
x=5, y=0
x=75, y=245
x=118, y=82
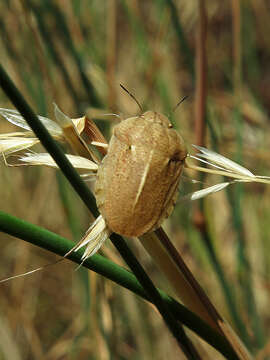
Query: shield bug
x=137, y=181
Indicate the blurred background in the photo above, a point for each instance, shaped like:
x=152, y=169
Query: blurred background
x=76, y=53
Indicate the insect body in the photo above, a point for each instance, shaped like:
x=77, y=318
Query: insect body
x=137, y=181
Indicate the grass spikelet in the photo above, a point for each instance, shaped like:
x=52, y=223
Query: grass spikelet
x=94, y=238
x=11, y=145
x=223, y=162
x=45, y=159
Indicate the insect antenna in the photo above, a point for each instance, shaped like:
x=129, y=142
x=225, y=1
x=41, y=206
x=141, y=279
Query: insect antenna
x=180, y=102
x=132, y=96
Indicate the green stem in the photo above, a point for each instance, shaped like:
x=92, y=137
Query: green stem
x=58, y=245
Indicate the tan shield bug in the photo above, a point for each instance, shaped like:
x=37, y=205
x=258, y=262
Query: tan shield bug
x=137, y=181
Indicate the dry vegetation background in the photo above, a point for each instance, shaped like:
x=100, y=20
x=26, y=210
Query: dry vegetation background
x=76, y=53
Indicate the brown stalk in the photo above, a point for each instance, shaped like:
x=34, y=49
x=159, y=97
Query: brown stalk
x=111, y=53
x=201, y=76
x=200, y=100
